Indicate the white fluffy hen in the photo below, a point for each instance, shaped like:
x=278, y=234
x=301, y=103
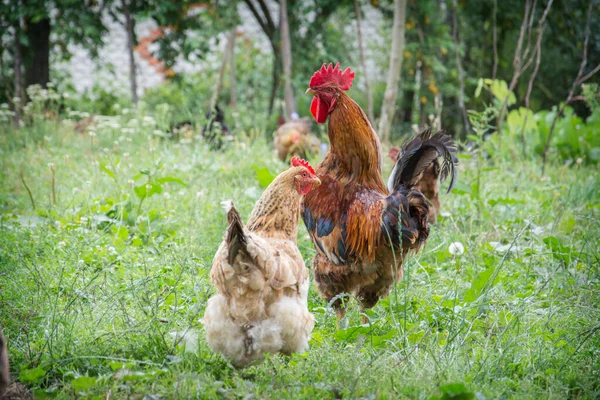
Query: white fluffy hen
x=262, y=282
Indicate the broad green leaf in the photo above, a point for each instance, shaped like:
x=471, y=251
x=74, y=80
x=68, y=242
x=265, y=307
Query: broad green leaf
x=346, y=335
x=500, y=91
x=456, y=391
x=462, y=188
x=263, y=176
x=107, y=171
x=171, y=179
x=567, y=224
x=559, y=250
x=32, y=376
x=478, y=284
x=381, y=340
x=116, y=365
x=479, y=87
x=83, y=383
x=147, y=190
x=504, y=200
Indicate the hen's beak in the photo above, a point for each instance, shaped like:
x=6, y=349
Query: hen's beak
x=315, y=182
x=310, y=91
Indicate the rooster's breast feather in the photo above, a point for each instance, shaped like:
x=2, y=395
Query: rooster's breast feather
x=343, y=220
x=324, y=216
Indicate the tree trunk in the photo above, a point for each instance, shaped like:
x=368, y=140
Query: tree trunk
x=226, y=54
x=290, y=102
x=495, y=39
x=361, y=47
x=37, y=67
x=416, y=118
x=391, y=93
x=461, y=80
x=274, y=76
x=18, y=62
x=232, y=89
x=129, y=27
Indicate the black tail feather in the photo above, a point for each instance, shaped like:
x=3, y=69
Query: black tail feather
x=405, y=222
x=418, y=154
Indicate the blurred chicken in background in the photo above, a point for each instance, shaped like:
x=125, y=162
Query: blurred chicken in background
x=293, y=138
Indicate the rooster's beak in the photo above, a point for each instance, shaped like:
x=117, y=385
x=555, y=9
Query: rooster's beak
x=316, y=182
x=310, y=91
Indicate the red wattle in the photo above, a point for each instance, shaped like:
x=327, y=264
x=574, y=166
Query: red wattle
x=318, y=110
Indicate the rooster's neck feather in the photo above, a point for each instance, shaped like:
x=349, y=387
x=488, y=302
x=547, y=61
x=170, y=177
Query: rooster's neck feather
x=355, y=146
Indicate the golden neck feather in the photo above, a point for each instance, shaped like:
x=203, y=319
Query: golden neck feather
x=277, y=211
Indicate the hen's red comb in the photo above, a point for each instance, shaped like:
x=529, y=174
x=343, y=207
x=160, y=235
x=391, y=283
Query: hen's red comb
x=298, y=162
x=332, y=74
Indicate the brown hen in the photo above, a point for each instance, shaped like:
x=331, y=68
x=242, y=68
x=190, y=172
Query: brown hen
x=262, y=282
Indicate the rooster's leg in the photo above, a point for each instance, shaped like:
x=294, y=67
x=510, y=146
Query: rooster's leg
x=363, y=317
x=340, y=314
x=331, y=281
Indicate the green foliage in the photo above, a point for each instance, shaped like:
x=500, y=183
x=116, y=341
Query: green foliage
x=104, y=290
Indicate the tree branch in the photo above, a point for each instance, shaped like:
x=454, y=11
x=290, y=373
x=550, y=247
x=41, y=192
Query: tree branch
x=267, y=14
x=576, y=83
x=461, y=80
x=267, y=30
x=495, y=37
x=582, y=98
x=588, y=76
x=361, y=48
x=538, y=56
x=519, y=66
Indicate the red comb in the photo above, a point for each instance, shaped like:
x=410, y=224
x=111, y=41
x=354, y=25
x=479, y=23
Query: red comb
x=298, y=162
x=332, y=74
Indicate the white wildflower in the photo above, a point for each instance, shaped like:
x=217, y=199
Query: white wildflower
x=456, y=249
x=62, y=244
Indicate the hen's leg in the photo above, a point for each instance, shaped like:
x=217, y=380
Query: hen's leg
x=331, y=281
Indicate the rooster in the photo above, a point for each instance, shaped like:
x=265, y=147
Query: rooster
x=428, y=184
x=262, y=282
x=293, y=138
x=361, y=229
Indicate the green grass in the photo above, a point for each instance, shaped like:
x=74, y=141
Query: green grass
x=93, y=287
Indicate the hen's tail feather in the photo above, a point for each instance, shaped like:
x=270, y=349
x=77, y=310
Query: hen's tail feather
x=418, y=154
x=236, y=239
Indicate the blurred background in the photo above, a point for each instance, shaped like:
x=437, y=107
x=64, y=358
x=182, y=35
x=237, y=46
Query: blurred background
x=471, y=67
x=125, y=123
